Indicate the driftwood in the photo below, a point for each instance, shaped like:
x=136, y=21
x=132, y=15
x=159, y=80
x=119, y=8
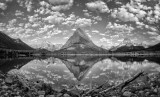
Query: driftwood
x=93, y=90
x=122, y=85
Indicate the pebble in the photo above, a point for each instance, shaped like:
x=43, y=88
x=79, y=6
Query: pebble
x=127, y=94
x=147, y=93
x=50, y=96
x=8, y=80
x=59, y=94
x=66, y=95
x=155, y=90
x=4, y=87
x=141, y=92
x=41, y=92
x=41, y=95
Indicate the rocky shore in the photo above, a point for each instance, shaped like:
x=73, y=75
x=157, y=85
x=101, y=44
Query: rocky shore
x=16, y=86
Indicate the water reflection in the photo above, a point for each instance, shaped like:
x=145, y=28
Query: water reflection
x=66, y=72
x=9, y=64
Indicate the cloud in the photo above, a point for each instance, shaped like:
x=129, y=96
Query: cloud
x=19, y=13
x=124, y=15
x=70, y=20
x=60, y=1
x=28, y=25
x=61, y=4
x=44, y=4
x=152, y=33
x=34, y=18
x=118, y=27
x=28, y=4
x=98, y=5
x=55, y=31
x=103, y=39
x=76, y=21
x=95, y=31
x=3, y=6
x=2, y=27
x=98, y=18
x=56, y=18
x=12, y=22
x=83, y=22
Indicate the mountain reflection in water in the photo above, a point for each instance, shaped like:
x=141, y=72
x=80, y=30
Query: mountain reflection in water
x=68, y=71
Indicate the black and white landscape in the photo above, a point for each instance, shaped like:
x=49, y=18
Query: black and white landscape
x=79, y=48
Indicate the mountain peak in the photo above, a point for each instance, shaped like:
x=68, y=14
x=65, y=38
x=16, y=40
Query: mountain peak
x=79, y=37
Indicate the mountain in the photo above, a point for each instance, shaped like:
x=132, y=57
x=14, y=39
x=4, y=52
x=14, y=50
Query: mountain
x=155, y=47
x=127, y=46
x=7, y=42
x=48, y=46
x=80, y=42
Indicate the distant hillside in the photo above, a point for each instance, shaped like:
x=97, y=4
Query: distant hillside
x=154, y=47
x=127, y=46
x=7, y=42
x=79, y=42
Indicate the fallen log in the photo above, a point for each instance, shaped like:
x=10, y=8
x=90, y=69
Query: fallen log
x=122, y=85
x=95, y=89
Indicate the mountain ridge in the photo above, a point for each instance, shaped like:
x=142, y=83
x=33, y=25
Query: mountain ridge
x=127, y=46
x=7, y=42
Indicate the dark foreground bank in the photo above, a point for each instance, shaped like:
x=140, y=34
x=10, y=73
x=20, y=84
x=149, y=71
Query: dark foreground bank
x=141, y=85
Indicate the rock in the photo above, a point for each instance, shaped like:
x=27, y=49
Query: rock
x=158, y=90
x=8, y=80
x=152, y=96
x=155, y=90
x=50, y=96
x=41, y=92
x=59, y=94
x=66, y=95
x=147, y=94
x=141, y=93
x=41, y=95
x=127, y=94
x=4, y=87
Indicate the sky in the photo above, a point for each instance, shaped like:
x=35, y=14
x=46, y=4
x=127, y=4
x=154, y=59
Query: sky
x=106, y=22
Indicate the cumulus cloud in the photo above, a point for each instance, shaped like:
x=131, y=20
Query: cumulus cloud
x=12, y=22
x=44, y=4
x=73, y=21
x=152, y=33
x=61, y=4
x=95, y=31
x=59, y=1
x=56, y=18
x=28, y=4
x=55, y=31
x=3, y=6
x=83, y=22
x=124, y=15
x=19, y=13
x=98, y=5
x=118, y=27
x=103, y=39
x=70, y=20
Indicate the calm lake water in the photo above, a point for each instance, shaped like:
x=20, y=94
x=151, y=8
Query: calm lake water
x=84, y=71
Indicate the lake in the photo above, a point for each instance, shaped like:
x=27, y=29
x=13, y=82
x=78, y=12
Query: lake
x=83, y=71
